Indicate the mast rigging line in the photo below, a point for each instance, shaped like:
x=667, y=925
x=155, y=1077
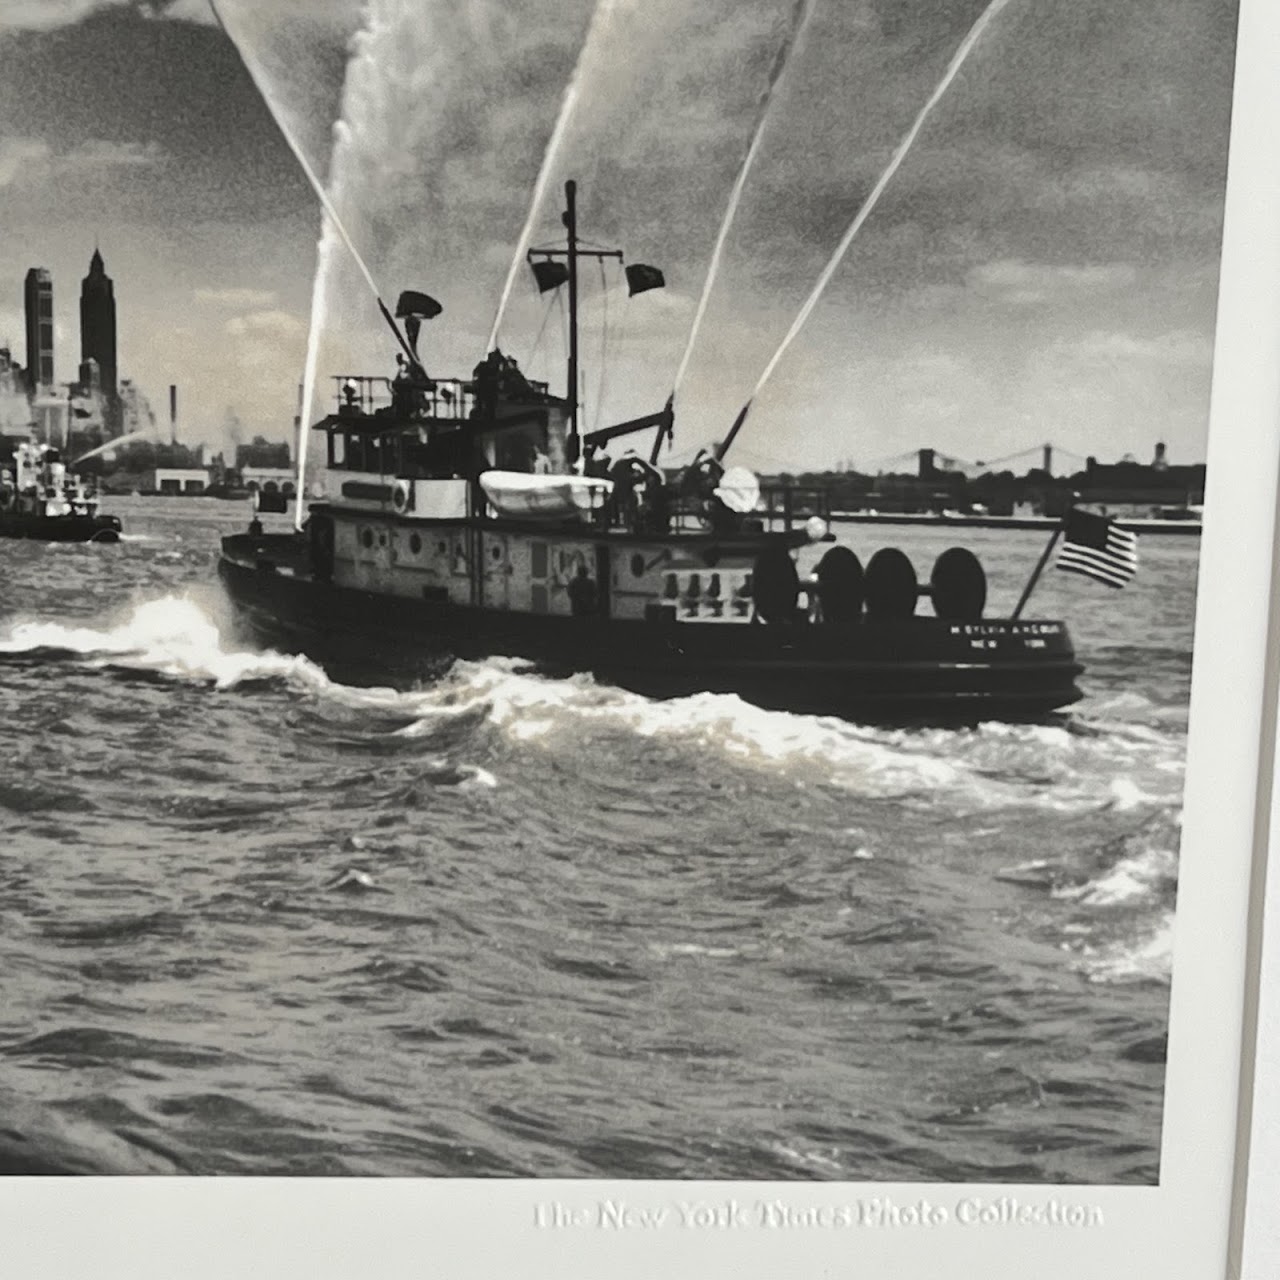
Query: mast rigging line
x=958, y=60
x=542, y=328
x=564, y=323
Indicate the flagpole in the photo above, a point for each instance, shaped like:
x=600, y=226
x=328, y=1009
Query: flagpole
x=1039, y=569
x=300, y=444
x=570, y=219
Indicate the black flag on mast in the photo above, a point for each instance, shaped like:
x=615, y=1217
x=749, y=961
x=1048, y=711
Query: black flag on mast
x=413, y=308
x=642, y=278
x=549, y=274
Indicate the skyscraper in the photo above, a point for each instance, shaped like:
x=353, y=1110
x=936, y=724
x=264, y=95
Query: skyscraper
x=98, y=324
x=38, y=297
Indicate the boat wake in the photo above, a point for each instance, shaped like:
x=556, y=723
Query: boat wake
x=1111, y=767
x=1119, y=765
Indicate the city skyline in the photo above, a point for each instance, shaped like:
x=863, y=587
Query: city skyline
x=96, y=382
x=1049, y=276
x=97, y=334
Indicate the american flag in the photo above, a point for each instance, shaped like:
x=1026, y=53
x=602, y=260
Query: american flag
x=1094, y=546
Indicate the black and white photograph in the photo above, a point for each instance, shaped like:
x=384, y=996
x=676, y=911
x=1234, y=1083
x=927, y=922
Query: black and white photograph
x=602, y=590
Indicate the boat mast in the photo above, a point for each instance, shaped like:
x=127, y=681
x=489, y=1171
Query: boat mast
x=571, y=230
x=570, y=254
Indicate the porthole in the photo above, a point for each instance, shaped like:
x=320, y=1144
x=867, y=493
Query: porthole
x=442, y=547
x=366, y=538
x=415, y=543
x=496, y=553
x=637, y=565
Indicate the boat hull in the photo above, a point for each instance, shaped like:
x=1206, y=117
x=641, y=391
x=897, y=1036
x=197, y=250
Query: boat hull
x=915, y=670
x=73, y=528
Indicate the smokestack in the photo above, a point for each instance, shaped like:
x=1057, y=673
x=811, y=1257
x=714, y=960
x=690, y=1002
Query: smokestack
x=173, y=414
x=926, y=464
x=1048, y=459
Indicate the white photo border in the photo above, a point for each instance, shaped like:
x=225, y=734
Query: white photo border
x=202, y=1229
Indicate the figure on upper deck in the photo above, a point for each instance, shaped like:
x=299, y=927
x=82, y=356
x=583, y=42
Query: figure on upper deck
x=699, y=484
x=349, y=405
x=409, y=389
x=640, y=501
x=497, y=378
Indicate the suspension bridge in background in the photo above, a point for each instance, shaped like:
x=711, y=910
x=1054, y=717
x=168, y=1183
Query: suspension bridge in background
x=1041, y=457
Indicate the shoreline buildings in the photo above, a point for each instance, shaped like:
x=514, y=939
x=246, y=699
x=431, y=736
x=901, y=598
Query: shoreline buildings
x=100, y=407
x=938, y=485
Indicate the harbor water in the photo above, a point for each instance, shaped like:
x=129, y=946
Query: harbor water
x=258, y=922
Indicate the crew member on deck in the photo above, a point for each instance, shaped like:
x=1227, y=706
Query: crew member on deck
x=349, y=406
x=401, y=390
x=596, y=462
x=582, y=594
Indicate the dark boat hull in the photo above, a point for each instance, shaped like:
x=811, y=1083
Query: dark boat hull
x=80, y=528
x=916, y=670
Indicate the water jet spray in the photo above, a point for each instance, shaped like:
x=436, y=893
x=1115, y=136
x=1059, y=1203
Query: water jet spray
x=800, y=17
x=868, y=205
x=333, y=220
x=568, y=104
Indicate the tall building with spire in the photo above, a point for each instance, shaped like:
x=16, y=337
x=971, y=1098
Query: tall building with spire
x=98, y=325
x=38, y=299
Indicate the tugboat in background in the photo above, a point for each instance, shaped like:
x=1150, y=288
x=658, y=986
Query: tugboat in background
x=39, y=500
x=469, y=518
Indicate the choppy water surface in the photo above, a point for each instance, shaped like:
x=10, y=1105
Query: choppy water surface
x=258, y=922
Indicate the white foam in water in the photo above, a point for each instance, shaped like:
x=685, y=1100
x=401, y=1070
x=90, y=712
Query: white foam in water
x=1141, y=875
x=664, y=950
x=995, y=765
x=986, y=767
x=174, y=636
x=531, y=708
x=1127, y=795
x=171, y=636
x=1149, y=960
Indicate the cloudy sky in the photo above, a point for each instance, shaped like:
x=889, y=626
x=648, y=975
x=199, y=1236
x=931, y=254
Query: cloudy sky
x=1042, y=268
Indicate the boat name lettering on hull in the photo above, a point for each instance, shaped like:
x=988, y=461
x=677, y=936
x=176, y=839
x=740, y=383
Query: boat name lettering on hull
x=978, y=629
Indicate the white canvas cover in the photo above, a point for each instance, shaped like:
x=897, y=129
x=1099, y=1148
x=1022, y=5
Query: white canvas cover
x=518, y=493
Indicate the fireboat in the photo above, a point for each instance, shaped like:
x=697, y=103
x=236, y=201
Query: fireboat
x=469, y=518
x=40, y=500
